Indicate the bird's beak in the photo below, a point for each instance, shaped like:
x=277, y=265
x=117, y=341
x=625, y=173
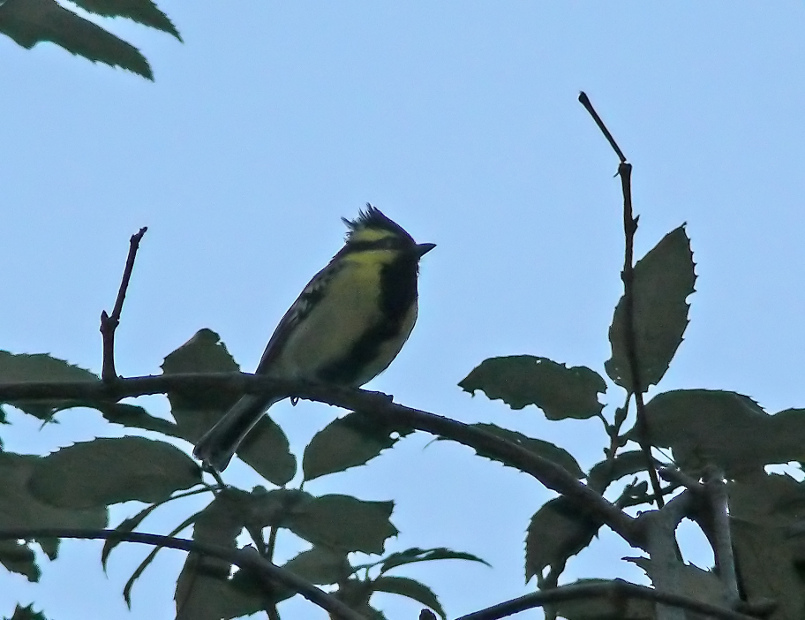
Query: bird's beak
x=423, y=248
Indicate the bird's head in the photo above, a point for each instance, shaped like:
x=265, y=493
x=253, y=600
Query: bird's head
x=375, y=233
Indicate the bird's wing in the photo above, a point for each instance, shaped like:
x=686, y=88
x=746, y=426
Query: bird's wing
x=299, y=309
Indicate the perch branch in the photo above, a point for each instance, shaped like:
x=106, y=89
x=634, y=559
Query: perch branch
x=548, y=473
x=109, y=322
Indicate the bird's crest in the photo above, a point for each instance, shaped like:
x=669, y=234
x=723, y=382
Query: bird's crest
x=372, y=225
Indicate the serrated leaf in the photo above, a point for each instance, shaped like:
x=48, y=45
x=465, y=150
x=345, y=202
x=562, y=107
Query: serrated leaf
x=204, y=352
x=320, y=566
x=49, y=546
x=520, y=380
x=27, y=613
x=764, y=513
x=208, y=597
x=272, y=508
x=141, y=11
x=558, y=531
x=605, y=472
x=150, y=558
x=29, y=22
x=203, y=590
x=355, y=593
x=538, y=447
x=663, y=280
x=347, y=442
x=415, y=554
x=126, y=525
x=726, y=429
x=697, y=584
x=265, y=449
x=19, y=558
x=134, y=416
x=24, y=368
x=19, y=509
x=410, y=588
x=223, y=519
x=343, y=522
x=134, y=468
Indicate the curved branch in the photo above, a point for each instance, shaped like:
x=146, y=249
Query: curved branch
x=616, y=590
x=548, y=473
x=246, y=559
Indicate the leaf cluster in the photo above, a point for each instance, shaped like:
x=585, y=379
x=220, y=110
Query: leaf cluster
x=700, y=431
x=28, y=22
x=75, y=485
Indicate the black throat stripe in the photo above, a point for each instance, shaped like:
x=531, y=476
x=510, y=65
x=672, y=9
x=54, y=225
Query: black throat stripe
x=398, y=282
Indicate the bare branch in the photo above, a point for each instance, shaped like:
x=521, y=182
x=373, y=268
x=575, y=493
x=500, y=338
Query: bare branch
x=585, y=101
x=246, y=559
x=627, y=276
x=616, y=590
x=548, y=473
x=109, y=323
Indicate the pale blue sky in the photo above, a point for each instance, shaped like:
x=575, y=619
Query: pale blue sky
x=460, y=121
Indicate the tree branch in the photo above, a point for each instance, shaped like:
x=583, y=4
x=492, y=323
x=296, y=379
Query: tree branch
x=109, y=323
x=677, y=476
x=246, y=559
x=627, y=276
x=548, y=473
x=665, y=568
x=718, y=503
x=616, y=590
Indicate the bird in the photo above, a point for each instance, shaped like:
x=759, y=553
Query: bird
x=345, y=328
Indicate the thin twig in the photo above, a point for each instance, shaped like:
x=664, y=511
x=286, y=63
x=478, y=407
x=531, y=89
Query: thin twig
x=613, y=430
x=547, y=472
x=627, y=276
x=272, y=543
x=585, y=101
x=246, y=559
x=617, y=590
x=109, y=323
x=272, y=611
x=257, y=538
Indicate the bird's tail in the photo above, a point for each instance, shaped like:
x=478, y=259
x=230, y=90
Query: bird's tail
x=216, y=447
